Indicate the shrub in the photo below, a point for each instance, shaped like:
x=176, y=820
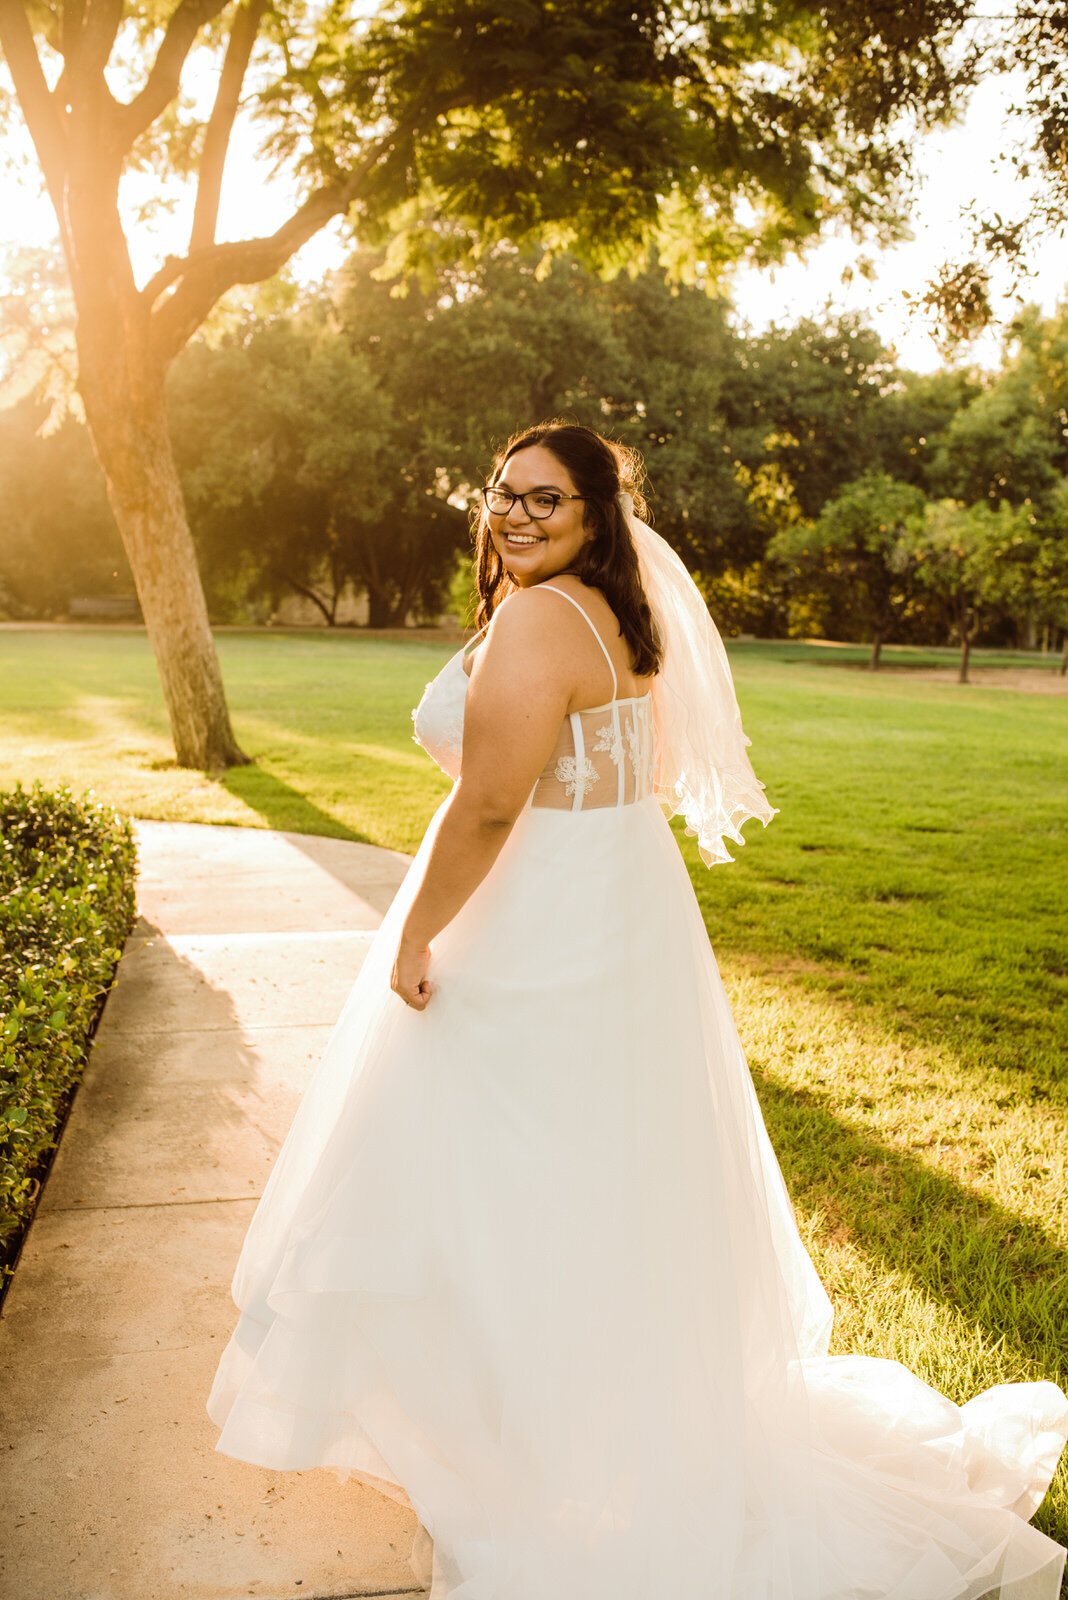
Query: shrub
x=67, y=867
x=461, y=595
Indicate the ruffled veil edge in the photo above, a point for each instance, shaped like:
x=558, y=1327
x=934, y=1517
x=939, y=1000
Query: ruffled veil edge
x=702, y=769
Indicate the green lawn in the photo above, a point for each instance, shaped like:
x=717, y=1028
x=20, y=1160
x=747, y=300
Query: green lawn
x=918, y=863
x=895, y=943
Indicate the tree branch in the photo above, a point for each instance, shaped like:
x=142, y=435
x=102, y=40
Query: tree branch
x=221, y=122
x=164, y=80
x=206, y=275
x=94, y=35
x=43, y=119
x=70, y=27
x=311, y=594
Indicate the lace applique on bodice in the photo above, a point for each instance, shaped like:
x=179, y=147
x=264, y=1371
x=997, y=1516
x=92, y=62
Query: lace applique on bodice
x=438, y=719
x=604, y=756
x=576, y=772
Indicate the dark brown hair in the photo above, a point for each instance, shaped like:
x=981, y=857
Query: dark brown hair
x=599, y=469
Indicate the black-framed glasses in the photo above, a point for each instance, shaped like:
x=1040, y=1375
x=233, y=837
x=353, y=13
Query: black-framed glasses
x=537, y=503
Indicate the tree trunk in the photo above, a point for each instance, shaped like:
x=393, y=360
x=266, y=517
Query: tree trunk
x=381, y=609
x=965, y=653
x=125, y=410
x=876, y=650
x=1064, y=656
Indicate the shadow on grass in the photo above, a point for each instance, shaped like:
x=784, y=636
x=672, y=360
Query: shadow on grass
x=1005, y=1275
x=372, y=872
x=282, y=807
x=1002, y=1272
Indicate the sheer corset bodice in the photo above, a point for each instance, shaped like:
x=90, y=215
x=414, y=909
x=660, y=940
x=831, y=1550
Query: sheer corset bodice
x=604, y=755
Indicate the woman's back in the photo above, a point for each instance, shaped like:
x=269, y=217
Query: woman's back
x=605, y=752
x=602, y=658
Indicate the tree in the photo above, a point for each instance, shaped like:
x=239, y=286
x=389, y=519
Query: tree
x=1048, y=566
x=858, y=549
x=460, y=368
x=646, y=359
x=57, y=535
x=280, y=435
x=808, y=398
x=1029, y=40
x=443, y=124
x=975, y=559
x=324, y=445
x=37, y=357
x=913, y=413
x=1001, y=446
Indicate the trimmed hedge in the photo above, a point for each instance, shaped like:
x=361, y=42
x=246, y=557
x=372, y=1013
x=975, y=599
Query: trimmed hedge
x=67, y=867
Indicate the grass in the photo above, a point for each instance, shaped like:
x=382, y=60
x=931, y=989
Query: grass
x=901, y=657
x=918, y=864
x=327, y=720
x=894, y=943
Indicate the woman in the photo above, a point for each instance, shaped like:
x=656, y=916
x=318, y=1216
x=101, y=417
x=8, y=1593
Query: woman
x=526, y=1261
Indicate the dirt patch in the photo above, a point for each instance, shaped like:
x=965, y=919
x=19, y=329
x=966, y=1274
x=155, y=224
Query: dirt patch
x=1027, y=680
x=785, y=966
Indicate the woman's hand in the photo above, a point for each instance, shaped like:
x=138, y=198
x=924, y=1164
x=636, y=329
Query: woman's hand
x=409, y=976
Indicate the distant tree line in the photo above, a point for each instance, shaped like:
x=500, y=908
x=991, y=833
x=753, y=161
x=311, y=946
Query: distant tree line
x=335, y=438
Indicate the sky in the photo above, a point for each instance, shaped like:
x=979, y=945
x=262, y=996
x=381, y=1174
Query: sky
x=954, y=167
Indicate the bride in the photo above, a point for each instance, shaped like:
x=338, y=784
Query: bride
x=526, y=1262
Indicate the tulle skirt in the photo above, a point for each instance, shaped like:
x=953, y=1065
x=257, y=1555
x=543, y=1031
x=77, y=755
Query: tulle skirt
x=526, y=1263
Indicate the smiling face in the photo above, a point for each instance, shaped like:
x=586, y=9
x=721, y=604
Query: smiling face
x=534, y=549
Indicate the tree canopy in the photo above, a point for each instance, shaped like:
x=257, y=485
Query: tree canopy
x=337, y=436
x=441, y=128
x=858, y=549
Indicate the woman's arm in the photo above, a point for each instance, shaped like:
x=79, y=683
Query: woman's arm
x=520, y=689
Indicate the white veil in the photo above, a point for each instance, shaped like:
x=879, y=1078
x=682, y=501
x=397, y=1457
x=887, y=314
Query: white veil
x=702, y=769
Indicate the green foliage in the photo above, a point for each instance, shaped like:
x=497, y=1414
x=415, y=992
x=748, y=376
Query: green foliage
x=975, y=558
x=914, y=413
x=67, y=868
x=1000, y=447
x=857, y=555
x=811, y=399
x=612, y=130
x=750, y=601
x=1047, y=577
x=340, y=437
x=462, y=594
x=701, y=136
x=57, y=536
x=308, y=461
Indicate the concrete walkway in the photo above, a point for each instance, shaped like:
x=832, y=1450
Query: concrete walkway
x=110, y=1485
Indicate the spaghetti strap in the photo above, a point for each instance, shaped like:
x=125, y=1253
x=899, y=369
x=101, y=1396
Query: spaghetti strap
x=468, y=643
x=596, y=635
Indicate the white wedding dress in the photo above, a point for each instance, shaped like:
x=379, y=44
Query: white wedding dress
x=526, y=1261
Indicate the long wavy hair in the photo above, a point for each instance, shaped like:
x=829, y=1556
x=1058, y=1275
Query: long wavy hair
x=599, y=469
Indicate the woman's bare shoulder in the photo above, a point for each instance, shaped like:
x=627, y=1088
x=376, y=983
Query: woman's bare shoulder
x=527, y=632
x=526, y=629
x=525, y=611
